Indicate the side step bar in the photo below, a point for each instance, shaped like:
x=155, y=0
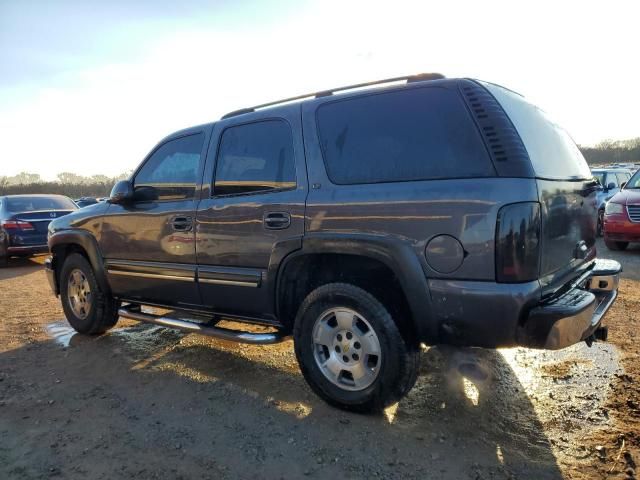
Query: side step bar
x=133, y=312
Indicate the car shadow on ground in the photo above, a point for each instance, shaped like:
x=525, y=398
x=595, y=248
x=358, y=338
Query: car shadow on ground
x=20, y=266
x=150, y=400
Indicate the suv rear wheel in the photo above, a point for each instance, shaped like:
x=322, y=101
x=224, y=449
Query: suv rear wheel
x=350, y=350
x=87, y=308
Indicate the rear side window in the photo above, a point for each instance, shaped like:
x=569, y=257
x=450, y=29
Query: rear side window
x=255, y=157
x=172, y=170
x=413, y=134
x=553, y=153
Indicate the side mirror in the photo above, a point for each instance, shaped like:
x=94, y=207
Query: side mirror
x=622, y=185
x=122, y=192
x=611, y=186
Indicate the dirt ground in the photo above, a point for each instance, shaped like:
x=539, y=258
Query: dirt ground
x=147, y=402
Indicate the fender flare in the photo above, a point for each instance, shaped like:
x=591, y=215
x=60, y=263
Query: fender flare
x=398, y=256
x=89, y=244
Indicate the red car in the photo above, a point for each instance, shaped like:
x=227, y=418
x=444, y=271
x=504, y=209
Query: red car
x=622, y=216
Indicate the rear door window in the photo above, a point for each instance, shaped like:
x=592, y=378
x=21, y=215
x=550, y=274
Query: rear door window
x=405, y=135
x=255, y=157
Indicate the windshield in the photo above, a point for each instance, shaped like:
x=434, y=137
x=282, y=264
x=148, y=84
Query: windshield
x=30, y=204
x=634, y=182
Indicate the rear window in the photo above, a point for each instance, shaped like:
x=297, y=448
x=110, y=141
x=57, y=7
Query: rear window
x=553, y=153
x=416, y=134
x=29, y=204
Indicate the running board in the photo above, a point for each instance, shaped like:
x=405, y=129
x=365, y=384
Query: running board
x=133, y=312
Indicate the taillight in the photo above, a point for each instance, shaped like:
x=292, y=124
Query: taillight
x=518, y=242
x=16, y=225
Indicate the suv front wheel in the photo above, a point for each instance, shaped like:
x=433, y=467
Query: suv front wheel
x=350, y=350
x=88, y=309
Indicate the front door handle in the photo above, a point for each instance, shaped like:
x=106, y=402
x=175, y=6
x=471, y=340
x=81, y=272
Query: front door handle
x=182, y=224
x=276, y=220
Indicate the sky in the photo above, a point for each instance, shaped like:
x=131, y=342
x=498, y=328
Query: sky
x=91, y=87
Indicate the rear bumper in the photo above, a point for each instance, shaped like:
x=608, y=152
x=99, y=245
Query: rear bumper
x=575, y=314
x=491, y=315
x=27, y=249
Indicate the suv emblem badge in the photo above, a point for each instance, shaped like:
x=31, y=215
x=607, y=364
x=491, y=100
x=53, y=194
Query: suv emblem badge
x=52, y=214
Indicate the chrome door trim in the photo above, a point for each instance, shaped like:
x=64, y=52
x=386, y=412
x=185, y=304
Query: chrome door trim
x=233, y=276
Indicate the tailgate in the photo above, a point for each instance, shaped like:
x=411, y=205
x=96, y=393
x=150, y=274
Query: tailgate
x=568, y=224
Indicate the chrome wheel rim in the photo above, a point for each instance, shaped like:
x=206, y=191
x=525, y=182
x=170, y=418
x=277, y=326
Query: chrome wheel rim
x=79, y=294
x=346, y=349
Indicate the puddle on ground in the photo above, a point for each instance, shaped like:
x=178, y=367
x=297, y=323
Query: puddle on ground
x=61, y=332
x=139, y=337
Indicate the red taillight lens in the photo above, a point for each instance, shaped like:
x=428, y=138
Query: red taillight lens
x=17, y=225
x=518, y=242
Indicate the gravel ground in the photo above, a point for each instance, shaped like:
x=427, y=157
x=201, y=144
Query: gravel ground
x=147, y=402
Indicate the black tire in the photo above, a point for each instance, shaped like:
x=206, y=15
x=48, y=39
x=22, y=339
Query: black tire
x=103, y=310
x=613, y=245
x=400, y=361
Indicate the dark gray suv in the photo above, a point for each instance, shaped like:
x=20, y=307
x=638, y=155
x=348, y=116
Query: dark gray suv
x=361, y=221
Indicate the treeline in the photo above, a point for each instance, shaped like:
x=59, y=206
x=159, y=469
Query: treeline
x=66, y=183
x=613, y=151
x=75, y=186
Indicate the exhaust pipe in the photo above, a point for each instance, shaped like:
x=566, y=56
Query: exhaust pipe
x=133, y=312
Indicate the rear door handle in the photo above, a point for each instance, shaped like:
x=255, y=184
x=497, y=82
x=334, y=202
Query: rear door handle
x=276, y=220
x=182, y=224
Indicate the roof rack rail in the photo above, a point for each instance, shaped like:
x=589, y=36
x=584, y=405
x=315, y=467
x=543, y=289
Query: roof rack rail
x=420, y=77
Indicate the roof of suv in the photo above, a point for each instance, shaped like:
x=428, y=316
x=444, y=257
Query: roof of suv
x=421, y=77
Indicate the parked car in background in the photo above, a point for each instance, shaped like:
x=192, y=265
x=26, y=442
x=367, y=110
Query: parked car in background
x=622, y=216
x=610, y=180
x=24, y=220
x=85, y=201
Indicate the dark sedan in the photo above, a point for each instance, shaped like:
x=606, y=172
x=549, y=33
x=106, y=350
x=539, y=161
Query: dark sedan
x=24, y=220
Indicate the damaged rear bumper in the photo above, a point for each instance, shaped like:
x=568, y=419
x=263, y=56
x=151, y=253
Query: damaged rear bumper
x=575, y=313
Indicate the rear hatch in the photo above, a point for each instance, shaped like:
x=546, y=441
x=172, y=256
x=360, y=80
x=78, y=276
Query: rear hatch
x=566, y=189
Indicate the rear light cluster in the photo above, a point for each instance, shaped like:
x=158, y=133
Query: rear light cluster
x=518, y=242
x=16, y=225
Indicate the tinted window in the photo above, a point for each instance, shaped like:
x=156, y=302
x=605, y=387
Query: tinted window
x=171, y=172
x=553, y=153
x=255, y=157
x=416, y=134
x=30, y=204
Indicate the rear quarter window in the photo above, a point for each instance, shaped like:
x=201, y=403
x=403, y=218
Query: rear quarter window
x=412, y=134
x=553, y=153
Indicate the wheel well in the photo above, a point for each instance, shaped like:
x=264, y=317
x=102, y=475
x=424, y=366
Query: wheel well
x=61, y=252
x=305, y=273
